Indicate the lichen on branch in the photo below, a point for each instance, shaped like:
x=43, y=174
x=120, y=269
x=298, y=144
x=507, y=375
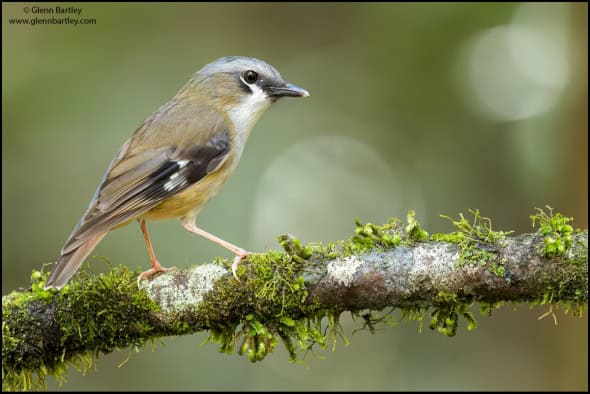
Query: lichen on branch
x=296, y=297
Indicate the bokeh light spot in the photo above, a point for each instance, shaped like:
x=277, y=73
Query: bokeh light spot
x=316, y=187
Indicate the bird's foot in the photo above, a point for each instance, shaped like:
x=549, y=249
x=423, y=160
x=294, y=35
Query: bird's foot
x=240, y=254
x=156, y=267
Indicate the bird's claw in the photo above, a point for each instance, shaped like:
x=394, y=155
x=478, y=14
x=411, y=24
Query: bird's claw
x=239, y=256
x=154, y=270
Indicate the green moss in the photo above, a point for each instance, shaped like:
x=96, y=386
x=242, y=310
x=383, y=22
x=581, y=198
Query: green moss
x=274, y=309
x=480, y=230
x=455, y=237
x=74, y=318
x=486, y=308
x=479, y=243
x=368, y=236
x=557, y=297
x=557, y=233
x=446, y=311
x=559, y=241
x=102, y=313
x=575, y=308
x=413, y=229
x=390, y=235
x=293, y=246
x=275, y=277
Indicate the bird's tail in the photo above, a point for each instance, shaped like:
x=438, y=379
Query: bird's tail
x=69, y=262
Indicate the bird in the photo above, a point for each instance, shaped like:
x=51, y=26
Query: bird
x=178, y=159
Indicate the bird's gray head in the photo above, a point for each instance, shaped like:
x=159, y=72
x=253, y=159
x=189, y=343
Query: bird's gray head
x=242, y=75
x=250, y=75
x=244, y=87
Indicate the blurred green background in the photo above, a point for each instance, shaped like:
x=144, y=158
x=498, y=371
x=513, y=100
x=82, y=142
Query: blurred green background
x=432, y=107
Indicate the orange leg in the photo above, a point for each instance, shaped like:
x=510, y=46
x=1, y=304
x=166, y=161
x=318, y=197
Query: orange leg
x=239, y=252
x=156, y=267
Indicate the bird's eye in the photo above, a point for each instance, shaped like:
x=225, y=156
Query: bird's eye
x=250, y=76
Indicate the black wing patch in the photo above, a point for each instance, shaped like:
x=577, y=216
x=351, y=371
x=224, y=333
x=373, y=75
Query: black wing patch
x=176, y=175
x=173, y=176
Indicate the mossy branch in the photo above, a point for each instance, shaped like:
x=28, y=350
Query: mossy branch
x=297, y=295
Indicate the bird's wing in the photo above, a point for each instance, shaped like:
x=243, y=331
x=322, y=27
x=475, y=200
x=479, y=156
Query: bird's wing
x=137, y=181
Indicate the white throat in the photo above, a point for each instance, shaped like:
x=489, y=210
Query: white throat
x=245, y=115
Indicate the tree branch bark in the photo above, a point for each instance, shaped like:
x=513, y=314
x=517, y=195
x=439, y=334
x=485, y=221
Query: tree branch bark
x=406, y=276
x=42, y=329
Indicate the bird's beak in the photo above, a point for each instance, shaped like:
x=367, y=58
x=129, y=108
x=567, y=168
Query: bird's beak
x=287, y=90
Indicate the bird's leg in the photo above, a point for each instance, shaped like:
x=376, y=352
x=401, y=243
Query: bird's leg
x=239, y=252
x=156, y=267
